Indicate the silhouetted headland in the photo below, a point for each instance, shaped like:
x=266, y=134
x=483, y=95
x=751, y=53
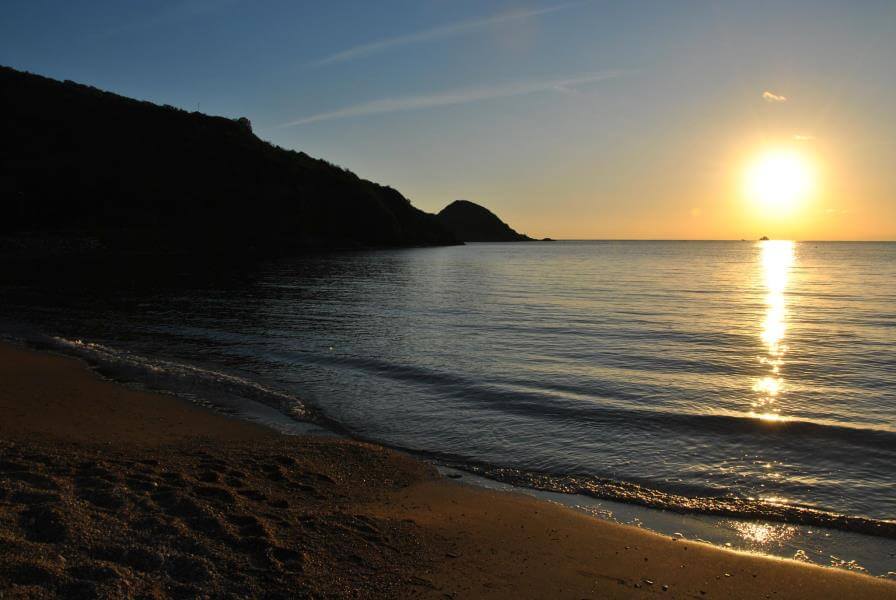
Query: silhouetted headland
x=470, y=222
x=87, y=165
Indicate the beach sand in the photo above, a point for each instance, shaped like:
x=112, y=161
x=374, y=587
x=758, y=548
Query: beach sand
x=113, y=493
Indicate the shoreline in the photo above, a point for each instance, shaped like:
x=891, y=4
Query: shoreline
x=91, y=457
x=761, y=534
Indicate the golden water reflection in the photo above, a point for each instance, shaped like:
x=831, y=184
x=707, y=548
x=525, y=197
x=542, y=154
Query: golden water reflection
x=761, y=536
x=777, y=259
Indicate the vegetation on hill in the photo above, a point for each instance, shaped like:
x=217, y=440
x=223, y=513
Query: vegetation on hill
x=133, y=174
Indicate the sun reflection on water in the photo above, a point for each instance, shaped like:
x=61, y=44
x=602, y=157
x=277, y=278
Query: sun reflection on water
x=777, y=258
x=761, y=536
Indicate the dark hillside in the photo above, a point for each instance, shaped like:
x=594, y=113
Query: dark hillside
x=79, y=160
x=470, y=222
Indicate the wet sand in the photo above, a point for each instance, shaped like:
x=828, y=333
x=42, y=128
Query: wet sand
x=108, y=492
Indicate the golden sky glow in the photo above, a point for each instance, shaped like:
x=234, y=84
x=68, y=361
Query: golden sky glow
x=568, y=119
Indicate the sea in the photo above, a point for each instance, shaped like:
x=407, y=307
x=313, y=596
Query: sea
x=742, y=393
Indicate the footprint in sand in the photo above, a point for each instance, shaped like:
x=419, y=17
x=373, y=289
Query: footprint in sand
x=43, y=524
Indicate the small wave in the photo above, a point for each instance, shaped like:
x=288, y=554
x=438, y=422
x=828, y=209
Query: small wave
x=633, y=493
x=201, y=385
x=508, y=396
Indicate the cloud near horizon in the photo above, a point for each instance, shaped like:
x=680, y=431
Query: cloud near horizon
x=436, y=33
x=451, y=97
x=773, y=97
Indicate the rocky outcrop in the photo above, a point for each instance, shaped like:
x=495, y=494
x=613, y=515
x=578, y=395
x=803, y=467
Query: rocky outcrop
x=470, y=222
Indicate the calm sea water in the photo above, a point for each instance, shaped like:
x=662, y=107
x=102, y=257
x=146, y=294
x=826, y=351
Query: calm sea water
x=734, y=378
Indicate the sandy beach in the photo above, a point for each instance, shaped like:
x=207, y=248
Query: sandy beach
x=114, y=493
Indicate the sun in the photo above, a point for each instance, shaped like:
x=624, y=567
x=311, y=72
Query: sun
x=778, y=180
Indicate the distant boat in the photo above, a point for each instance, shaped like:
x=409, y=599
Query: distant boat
x=763, y=238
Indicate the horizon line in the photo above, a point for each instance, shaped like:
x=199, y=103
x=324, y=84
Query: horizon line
x=738, y=240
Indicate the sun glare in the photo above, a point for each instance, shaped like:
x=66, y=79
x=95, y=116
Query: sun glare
x=779, y=180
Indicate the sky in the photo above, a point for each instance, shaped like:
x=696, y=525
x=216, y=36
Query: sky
x=579, y=120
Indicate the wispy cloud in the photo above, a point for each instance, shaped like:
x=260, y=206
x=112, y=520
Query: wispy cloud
x=450, y=97
x=436, y=33
x=773, y=97
x=801, y=137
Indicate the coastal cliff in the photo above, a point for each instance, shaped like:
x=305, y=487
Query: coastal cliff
x=131, y=174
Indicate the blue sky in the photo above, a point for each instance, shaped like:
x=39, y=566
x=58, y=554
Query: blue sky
x=571, y=119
